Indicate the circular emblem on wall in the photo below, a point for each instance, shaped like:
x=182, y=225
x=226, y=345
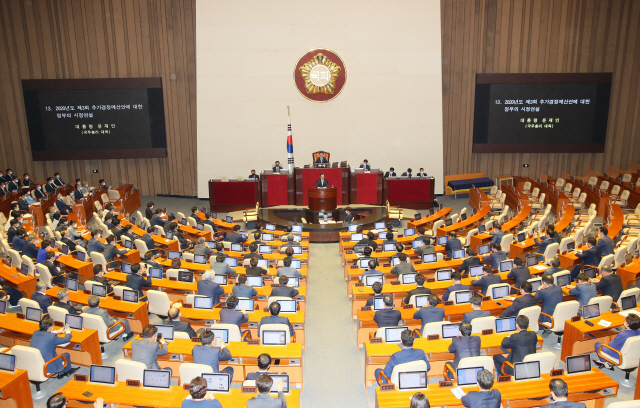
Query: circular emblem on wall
x=320, y=75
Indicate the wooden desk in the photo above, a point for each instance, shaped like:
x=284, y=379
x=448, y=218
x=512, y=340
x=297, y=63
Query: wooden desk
x=557, y=199
x=462, y=227
x=377, y=354
x=244, y=359
x=25, y=284
x=514, y=394
x=425, y=221
x=634, y=193
x=227, y=196
x=83, y=269
x=629, y=272
x=15, y=390
x=84, y=346
x=355, y=273
x=409, y=193
x=124, y=396
x=478, y=199
x=136, y=313
x=366, y=188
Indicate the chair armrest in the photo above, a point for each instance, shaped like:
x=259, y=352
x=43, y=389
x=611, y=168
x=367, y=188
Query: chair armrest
x=245, y=335
x=3, y=295
x=548, y=326
x=417, y=334
x=380, y=375
x=293, y=338
x=112, y=269
x=448, y=368
x=51, y=361
x=116, y=334
x=602, y=355
x=503, y=365
x=176, y=301
x=371, y=335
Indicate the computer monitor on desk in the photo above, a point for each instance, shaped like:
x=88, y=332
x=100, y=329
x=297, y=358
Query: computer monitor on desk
x=393, y=334
x=246, y=304
x=412, y=380
x=7, y=362
x=578, y=364
x=429, y=258
x=527, y=371
x=450, y=331
x=166, y=331
x=156, y=379
x=274, y=338
x=277, y=378
x=591, y=311
x=369, y=280
x=484, y=249
x=217, y=382
x=468, y=376
x=105, y=375
x=220, y=334
x=255, y=281
x=506, y=325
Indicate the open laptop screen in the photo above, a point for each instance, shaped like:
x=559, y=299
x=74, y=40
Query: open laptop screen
x=412, y=380
x=408, y=278
x=450, y=331
x=255, y=281
x=7, y=362
x=501, y=291
x=590, y=311
x=166, y=331
x=578, y=364
x=443, y=275
x=476, y=271
x=506, y=325
x=468, y=376
x=483, y=249
x=463, y=296
x=369, y=280
x=527, y=371
x=392, y=334
x=201, y=302
x=506, y=265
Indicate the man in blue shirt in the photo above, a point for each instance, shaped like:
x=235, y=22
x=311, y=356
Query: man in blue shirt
x=406, y=355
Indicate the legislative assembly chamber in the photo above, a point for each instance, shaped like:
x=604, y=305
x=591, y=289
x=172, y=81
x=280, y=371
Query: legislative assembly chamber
x=362, y=204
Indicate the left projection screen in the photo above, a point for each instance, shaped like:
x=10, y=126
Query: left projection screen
x=73, y=119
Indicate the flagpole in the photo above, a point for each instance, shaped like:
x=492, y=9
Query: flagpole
x=290, y=142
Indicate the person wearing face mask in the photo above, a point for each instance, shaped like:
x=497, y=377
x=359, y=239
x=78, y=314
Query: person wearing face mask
x=3, y=189
x=13, y=185
x=51, y=186
x=9, y=175
x=102, y=185
x=57, y=180
x=23, y=204
x=26, y=180
x=94, y=244
x=77, y=193
x=62, y=206
x=39, y=193
x=2, y=178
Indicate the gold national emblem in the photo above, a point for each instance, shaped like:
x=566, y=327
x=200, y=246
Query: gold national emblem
x=320, y=75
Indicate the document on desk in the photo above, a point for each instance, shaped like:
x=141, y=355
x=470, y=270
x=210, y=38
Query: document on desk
x=604, y=323
x=458, y=393
x=540, y=267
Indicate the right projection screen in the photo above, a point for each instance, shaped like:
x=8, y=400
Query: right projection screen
x=541, y=113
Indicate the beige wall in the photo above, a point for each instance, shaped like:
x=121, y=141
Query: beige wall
x=389, y=112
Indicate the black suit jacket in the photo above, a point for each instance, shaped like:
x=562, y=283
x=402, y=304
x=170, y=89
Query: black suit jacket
x=610, y=286
x=322, y=183
x=348, y=218
x=276, y=169
x=519, y=304
x=520, y=345
x=72, y=310
x=136, y=282
x=39, y=193
x=468, y=263
x=390, y=174
x=77, y=194
x=22, y=204
x=366, y=167
x=416, y=291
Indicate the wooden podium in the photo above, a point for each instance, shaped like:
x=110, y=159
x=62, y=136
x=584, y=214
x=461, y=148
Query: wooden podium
x=323, y=199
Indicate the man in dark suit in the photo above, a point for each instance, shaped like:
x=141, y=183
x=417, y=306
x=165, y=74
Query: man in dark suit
x=111, y=252
x=519, y=344
x=605, y=244
x=57, y=276
x=406, y=355
x=13, y=230
x=407, y=173
x=232, y=316
x=497, y=233
x=366, y=255
x=276, y=167
x=419, y=290
x=548, y=240
x=254, y=176
x=242, y=290
x=559, y=395
x=234, y=236
x=26, y=180
x=62, y=206
x=50, y=186
x=136, y=279
x=94, y=244
x=254, y=270
x=390, y=173
x=525, y=300
x=555, y=267
x=46, y=340
x=429, y=314
x=453, y=244
x=424, y=247
x=264, y=383
x=22, y=202
x=63, y=302
x=589, y=257
x=469, y=261
x=476, y=310
x=456, y=278
x=584, y=291
x=40, y=296
x=275, y=318
x=148, y=239
x=77, y=192
x=178, y=325
x=18, y=239
x=39, y=193
x=321, y=159
x=464, y=346
x=486, y=397
x=495, y=257
x=610, y=284
x=369, y=241
x=207, y=287
x=283, y=289
x=387, y=317
x=57, y=180
x=421, y=173
x=486, y=280
x=322, y=182
x=117, y=229
x=156, y=219
x=211, y=352
x=102, y=185
x=365, y=165
x=95, y=309
x=3, y=189
x=520, y=273
x=371, y=271
x=404, y=266
x=348, y=217
x=65, y=240
x=30, y=250
x=97, y=277
x=264, y=363
x=377, y=290
x=550, y=295
x=253, y=248
x=389, y=238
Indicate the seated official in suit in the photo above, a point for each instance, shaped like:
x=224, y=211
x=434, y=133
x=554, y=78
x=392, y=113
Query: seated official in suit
x=234, y=236
x=46, y=340
x=156, y=219
x=30, y=250
x=57, y=180
x=95, y=309
x=488, y=279
x=201, y=248
x=486, y=397
x=289, y=242
x=348, y=217
x=77, y=192
x=407, y=354
x=550, y=295
x=377, y=290
x=207, y=287
x=631, y=329
x=19, y=241
x=232, y=316
x=495, y=257
x=287, y=270
x=39, y=192
x=322, y=182
x=12, y=230
x=242, y=290
x=519, y=344
x=610, y=283
x=102, y=185
x=137, y=279
x=419, y=290
x=253, y=175
x=253, y=249
x=543, y=244
x=371, y=271
x=94, y=244
x=264, y=383
x=321, y=159
x=589, y=257
x=62, y=206
x=276, y=167
x=275, y=318
x=98, y=272
x=148, y=347
x=283, y=289
x=453, y=244
x=63, y=302
x=178, y=325
x=390, y=173
x=365, y=165
x=211, y=352
x=555, y=267
x=220, y=267
x=57, y=275
x=369, y=240
x=264, y=364
x=111, y=252
x=199, y=397
x=148, y=239
x=469, y=261
x=430, y=313
x=456, y=278
x=254, y=269
x=40, y=296
x=605, y=244
x=525, y=300
x=476, y=310
x=464, y=345
x=387, y=317
x=3, y=189
x=256, y=239
x=407, y=173
x=560, y=395
x=208, y=220
x=421, y=173
x=520, y=273
x=389, y=239
x=496, y=233
x=366, y=255
x=404, y=266
x=23, y=205
x=583, y=290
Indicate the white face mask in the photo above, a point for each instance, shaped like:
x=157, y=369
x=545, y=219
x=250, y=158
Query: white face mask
x=26, y=177
x=57, y=176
